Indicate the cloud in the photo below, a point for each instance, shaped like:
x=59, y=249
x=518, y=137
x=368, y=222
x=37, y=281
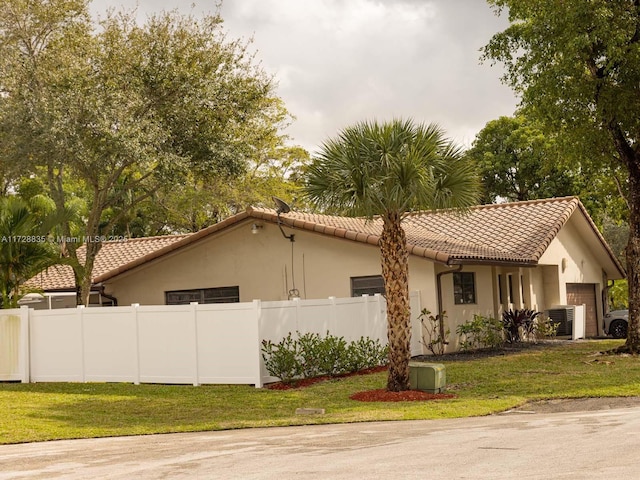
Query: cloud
x=339, y=62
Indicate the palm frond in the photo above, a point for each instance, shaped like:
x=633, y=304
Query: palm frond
x=374, y=168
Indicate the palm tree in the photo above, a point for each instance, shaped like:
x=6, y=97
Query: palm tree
x=389, y=170
x=25, y=248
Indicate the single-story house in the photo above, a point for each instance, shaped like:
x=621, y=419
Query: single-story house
x=535, y=254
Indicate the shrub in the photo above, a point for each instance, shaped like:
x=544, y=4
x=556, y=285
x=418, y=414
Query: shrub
x=365, y=353
x=332, y=354
x=309, y=352
x=281, y=359
x=312, y=355
x=481, y=332
x=435, y=336
x=546, y=328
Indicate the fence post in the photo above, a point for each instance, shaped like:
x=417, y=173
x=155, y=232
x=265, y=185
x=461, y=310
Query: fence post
x=134, y=309
x=25, y=346
x=381, y=320
x=332, y=325
x=367, y=319
x=196, y=367
x=257, y=318
x=296, y=303
x=80, y=317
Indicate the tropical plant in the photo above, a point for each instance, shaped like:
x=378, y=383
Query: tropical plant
x=25, y=245
x=434, y=338
x=519, y=325
x=387, y=170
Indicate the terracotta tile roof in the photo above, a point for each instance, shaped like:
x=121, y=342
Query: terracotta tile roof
x=511, y=233
x=515, y=233
x=111, y=258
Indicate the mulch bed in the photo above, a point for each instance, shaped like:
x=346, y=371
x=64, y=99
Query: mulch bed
x=305, y=382
x=383, y=395
x=380, y=395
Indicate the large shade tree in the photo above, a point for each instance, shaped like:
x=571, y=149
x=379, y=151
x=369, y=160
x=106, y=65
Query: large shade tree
x=388, y=170
x=518, y=162
x=576, y=63
x=119, y=109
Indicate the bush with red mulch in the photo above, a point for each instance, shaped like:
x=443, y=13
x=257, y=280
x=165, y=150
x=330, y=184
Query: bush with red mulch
x=380, y=395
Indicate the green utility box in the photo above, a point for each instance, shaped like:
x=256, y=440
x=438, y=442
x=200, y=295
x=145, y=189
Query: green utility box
x=428, y=377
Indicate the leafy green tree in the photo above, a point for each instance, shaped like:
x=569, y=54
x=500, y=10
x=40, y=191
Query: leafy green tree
x=25, y=246
x=122, y=109
x=517, y=161
x=389, y=170
x=577, y=64
x=196, y=203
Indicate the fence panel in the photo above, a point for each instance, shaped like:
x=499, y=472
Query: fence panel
x=277, y=319
x=55, y=344
x=10, y=345
x=166, y=344
x=228, y=343
x=194, y=344
x=109, y=344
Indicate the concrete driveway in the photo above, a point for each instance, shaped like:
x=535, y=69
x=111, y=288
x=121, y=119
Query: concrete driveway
x=569, y=445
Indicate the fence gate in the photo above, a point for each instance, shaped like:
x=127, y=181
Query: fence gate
x=10, y=336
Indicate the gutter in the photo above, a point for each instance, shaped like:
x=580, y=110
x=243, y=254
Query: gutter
x=439, y=289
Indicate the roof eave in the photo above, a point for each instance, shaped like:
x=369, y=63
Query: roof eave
x=492, y=262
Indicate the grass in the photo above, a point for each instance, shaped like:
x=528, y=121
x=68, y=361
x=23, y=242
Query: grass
x=48, y=411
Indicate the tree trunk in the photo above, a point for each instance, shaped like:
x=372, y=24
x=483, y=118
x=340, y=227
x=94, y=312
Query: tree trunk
x=633, y=264
x=395, y=268
x=84, y=278
x=631, y=159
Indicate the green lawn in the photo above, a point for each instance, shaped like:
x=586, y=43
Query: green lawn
x=47, y=411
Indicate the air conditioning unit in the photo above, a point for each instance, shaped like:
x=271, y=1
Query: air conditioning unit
x=564, y=316
x=570, y=319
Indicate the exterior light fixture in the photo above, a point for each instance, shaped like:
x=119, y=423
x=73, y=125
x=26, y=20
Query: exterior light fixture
x=255, y=228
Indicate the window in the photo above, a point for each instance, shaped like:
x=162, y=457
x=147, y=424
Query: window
x=500, y=294
x=203, y=295
x=464, y=288
x=367, y=285
x=510, y=281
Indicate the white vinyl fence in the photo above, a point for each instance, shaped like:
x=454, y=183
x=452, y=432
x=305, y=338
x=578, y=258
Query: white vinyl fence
x=182, y=344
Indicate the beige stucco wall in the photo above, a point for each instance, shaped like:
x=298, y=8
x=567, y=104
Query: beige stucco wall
x=261, y=266
x=580, y=265
x=539, y=288
x=323, y=266
x=485, y=299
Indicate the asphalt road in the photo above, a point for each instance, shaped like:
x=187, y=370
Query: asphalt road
x=569, y=445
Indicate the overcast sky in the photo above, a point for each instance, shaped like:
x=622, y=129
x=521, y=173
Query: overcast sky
x=338, y=62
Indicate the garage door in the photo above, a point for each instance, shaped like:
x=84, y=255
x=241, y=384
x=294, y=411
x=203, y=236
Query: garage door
x=585, y=293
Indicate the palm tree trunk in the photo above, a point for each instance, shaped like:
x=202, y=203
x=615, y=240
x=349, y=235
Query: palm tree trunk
x=395, y=261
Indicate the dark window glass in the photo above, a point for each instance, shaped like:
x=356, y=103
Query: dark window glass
x=500, y=289
x=367, y=285
x=510, y=278
x=464, y=288
x=203, y=295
